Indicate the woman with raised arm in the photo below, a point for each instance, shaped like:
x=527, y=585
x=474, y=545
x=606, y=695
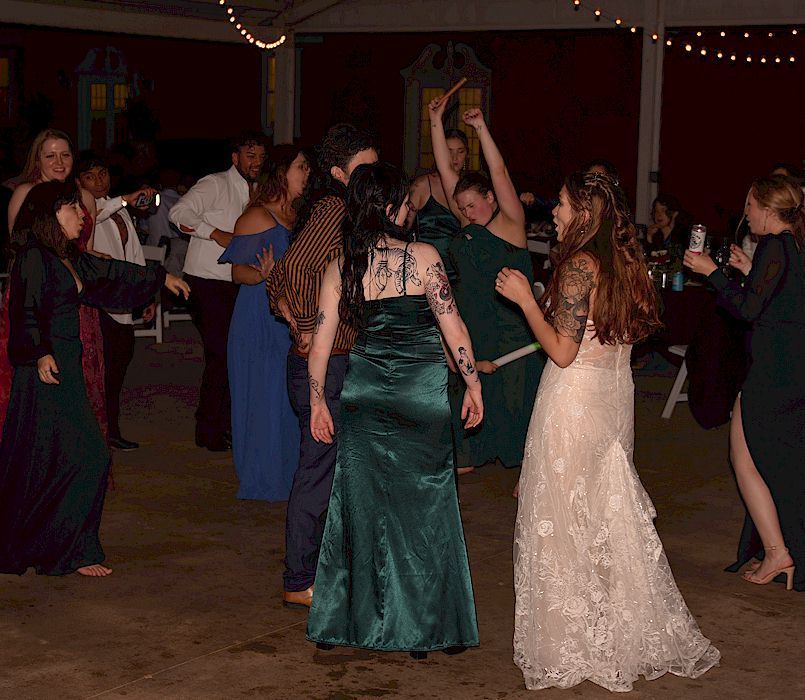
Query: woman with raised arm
x=54, y=461
x=492, y=236
x=393, y=573
x=433, y=221
x=767, y=431
x=594, y=595
x=265, y=431
x=51, y=159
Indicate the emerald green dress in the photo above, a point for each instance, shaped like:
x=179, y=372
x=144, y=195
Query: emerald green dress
x=54, y=462
x=393, y=573
x=437, y=225
x=496, y=327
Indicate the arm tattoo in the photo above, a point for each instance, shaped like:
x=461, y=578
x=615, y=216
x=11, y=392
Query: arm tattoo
x=317, y=390
x=464, y=362
x=318, y=322
x=438, y=291
x=394, y=264
x=575, y=285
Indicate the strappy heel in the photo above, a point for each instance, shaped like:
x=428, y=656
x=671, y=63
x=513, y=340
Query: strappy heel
x=787, y=570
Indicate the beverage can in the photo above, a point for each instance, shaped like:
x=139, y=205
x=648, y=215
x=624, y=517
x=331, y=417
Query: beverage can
x=678, y=282
x=698, y=234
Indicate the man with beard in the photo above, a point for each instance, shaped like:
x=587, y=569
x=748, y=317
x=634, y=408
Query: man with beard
x=208, y=213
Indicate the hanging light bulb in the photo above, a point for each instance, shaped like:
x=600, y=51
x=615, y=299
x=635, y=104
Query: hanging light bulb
x=749, y=59
x=771, y=35
x=792, y=59
x=794, y=32
x=746, y=35
x=777, y=59
x=703, y=52
x=576, y=4
x=232, y=19
x=733, y=57
x=668, y=42
x=762, y=59
x=618, y=21
x=698, y=33
x=655, y=36
x=633, y=30
x=723, y=33
x=229, y=10
x=720, y=55
x=688, y=47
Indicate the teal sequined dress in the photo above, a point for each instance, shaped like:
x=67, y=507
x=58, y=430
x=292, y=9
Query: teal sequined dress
x=393, y=573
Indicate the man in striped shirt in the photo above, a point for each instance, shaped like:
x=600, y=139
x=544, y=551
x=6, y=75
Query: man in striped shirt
x=293, y=289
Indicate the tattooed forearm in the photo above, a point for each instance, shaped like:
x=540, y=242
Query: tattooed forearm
x=438, y=291
x=465, y=363
x=575, y=286
x=315, y=386
x=317, y=323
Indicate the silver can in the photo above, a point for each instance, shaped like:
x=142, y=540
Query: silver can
x=698, y=234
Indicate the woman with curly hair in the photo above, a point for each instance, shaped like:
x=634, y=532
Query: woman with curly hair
x=767, y=431
x=393, y=573
x=595, y=597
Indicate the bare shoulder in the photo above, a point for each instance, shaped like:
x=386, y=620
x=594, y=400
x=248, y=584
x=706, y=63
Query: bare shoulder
x=254, y=220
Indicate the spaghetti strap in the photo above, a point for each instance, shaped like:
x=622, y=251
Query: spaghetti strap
x=430, y=188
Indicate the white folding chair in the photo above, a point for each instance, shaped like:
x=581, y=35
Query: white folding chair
x=676, y=395
x=152, y=252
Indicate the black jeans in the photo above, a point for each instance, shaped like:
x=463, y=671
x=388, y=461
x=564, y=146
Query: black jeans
x=211, y=305
x=118, y=349
x=313, y=481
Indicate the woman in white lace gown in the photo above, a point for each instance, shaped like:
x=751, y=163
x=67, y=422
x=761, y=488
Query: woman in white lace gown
x=595, y=597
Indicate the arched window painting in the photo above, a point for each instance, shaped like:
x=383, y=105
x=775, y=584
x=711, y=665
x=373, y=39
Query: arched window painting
x=432, y=74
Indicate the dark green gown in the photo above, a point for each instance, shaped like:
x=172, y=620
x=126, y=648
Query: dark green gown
x=437, y=225
x=496, y=327
x=393, y=573
x=54, y=462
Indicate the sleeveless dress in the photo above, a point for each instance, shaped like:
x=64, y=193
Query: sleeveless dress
x=594, y=595
x=91, y=340
x=496, y=327
x=54, y=461
x=437, y=225
x=265, y=430
x=773, y=394
x=393, y=573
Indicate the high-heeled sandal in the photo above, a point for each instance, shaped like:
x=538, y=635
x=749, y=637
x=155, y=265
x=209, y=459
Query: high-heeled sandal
x=787, y=570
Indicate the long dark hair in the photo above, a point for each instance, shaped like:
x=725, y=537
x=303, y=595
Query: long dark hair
x=273, y=183
x=372, y=189
x=625, y=301
x=37, y=218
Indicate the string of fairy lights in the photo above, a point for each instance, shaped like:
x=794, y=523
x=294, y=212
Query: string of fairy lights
x=708, y=46
x=247, y=35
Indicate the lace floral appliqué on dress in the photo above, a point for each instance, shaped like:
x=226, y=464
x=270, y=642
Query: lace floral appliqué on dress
x=595, y=597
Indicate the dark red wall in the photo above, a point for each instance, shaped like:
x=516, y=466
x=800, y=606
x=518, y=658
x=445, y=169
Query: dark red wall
x=558, y=99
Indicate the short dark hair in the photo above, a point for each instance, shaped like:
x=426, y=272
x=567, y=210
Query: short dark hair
x=477, y=181
x=37, y=217
x=87, y=160
x=245, y=139
x=341, y=143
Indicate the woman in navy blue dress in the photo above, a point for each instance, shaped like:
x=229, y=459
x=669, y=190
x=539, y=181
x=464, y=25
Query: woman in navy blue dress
x=265, y=431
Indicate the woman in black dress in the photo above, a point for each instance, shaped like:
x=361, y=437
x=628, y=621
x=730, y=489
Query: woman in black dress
x=767, y=432
x=54, y=462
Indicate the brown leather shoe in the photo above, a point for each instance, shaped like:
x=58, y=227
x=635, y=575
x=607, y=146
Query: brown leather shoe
x=298, y=599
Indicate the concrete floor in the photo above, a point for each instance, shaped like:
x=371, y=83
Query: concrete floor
x=193, y=610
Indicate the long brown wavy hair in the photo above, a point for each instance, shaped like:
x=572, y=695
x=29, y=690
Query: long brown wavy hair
x=272, y=185
x=783, y=195
x=32, y=172
x=626, y=309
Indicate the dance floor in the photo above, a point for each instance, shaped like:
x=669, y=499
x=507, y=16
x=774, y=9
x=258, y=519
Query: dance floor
x=193, y=609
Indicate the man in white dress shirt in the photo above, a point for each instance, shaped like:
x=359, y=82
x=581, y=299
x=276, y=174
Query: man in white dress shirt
x=116, y=236
x=208, y=213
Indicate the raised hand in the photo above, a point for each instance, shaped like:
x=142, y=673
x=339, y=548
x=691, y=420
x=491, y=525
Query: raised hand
x=474, y=117
x=436, y=107
x=701, y=263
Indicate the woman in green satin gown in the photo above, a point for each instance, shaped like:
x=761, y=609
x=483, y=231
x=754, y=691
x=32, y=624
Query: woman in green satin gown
x=393, y=573
x=54, y=462
x=492, y=237
x=434, y=223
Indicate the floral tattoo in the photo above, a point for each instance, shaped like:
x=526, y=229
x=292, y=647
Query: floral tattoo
x=438, y=291
x=575, y=285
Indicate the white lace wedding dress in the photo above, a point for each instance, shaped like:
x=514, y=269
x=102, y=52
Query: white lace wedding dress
x=595, y=597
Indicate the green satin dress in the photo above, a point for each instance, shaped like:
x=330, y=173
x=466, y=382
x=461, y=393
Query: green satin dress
x=393, y=573
x=437, y=225
x=496, y=327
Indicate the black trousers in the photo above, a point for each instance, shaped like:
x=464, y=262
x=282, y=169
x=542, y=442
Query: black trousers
x=211, y=307
x=313, y=481
x=118, y=349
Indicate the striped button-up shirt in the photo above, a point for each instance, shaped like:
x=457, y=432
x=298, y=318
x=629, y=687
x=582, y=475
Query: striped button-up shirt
x=297, y=275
